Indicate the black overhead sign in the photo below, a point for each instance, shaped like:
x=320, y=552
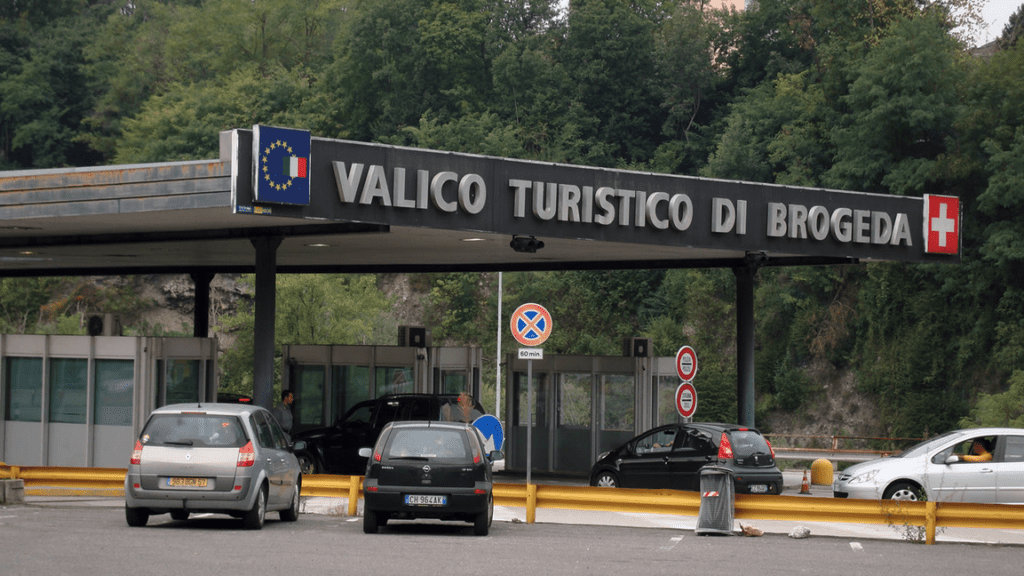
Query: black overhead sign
x=394, y=186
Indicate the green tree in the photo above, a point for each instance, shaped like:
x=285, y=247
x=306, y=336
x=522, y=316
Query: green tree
x=899, y=112
x=1000, y=409
x=44, y=87
x=311, y=309
x=183, y=123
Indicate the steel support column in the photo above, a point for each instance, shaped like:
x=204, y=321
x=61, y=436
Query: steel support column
x=745, y=338
x=201, y=314
x=263, y=325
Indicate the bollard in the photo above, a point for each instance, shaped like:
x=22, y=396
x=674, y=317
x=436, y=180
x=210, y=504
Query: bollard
x=12, y=491
x=821, y=472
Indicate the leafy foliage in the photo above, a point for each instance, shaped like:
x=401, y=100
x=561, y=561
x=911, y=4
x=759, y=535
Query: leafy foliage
x=866, y=95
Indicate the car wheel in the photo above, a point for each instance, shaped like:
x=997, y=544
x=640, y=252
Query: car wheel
x=135, y=516
x=179, y=515
x=307, y=463
x=903, y=491
x=606, y=480
x=253, y=519
x=369, y=522
x=292, y=513
x=482, y=525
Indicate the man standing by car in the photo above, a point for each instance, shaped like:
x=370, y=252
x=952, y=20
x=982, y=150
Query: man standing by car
x=283, y=411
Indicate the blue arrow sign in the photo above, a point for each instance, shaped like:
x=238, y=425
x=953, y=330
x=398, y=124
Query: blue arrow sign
x=494, y=434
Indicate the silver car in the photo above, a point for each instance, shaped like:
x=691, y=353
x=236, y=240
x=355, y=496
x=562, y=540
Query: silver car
x=224, y=458
x=983, y=465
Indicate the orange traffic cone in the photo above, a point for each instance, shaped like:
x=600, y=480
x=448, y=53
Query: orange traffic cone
x=805, y=487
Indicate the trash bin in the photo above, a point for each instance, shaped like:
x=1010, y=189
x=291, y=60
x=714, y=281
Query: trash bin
x=716, y=501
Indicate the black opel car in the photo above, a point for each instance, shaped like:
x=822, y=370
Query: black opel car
x=335, y=449
x=671, y=456
x=429, y=470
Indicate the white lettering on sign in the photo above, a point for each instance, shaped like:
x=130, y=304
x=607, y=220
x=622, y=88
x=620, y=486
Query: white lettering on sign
x=844, y=224
x=726, y=216
x=446, y=191
x=604, y=205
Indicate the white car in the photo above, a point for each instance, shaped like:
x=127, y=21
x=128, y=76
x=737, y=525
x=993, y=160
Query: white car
x=944, y=469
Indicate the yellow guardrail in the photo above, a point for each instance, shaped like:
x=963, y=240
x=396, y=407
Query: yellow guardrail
x=52, y=481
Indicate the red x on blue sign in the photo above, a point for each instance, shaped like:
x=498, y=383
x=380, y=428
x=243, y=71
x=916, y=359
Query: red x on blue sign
x=531, y=324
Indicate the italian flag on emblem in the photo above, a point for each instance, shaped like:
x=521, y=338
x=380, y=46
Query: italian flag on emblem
x=294, y=167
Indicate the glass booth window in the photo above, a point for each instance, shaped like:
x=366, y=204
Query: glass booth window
x=115, y=382
x=394, y=380
x=617, y=401
x=179, y=381
x=24, y=389
x=539, y=415
x=454, y=382
x=350, y=385
x=667, y=411
x=574, y=404
x=308, y=382
x=68, y=385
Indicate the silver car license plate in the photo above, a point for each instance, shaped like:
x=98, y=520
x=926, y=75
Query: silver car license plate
x=758, y=488
x=419, y=500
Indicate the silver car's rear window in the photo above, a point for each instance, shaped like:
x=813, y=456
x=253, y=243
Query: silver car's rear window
x=198, y=430
x=427, y=443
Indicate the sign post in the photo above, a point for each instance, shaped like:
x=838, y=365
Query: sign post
x=531, y=326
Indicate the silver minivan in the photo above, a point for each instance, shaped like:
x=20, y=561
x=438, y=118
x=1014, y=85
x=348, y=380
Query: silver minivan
x=223, y=458
x=983, y=465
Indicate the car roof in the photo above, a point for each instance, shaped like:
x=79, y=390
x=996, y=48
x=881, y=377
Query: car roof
x=987, y=431
x=720, y=426
x=216, y=408
x=429, y=424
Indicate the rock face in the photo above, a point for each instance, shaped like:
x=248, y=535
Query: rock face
x=172, y=298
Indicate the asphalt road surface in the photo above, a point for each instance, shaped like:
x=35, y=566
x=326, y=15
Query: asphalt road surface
x=88, y=541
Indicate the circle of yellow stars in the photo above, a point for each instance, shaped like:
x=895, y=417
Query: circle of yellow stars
x=266, y=171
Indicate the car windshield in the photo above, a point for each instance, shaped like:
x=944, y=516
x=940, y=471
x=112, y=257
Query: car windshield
x=747, y=443
x=197, y=430
x=427, y=443
x=926, y=446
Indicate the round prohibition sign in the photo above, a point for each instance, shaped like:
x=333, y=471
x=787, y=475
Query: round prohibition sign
x=686, y=399
x=686, y=363
x=531, y=324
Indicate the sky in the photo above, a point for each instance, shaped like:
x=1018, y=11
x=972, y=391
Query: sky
x=996, y=14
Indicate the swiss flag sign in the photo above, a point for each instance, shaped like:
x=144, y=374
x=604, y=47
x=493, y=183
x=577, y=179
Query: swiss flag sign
x=941, y=224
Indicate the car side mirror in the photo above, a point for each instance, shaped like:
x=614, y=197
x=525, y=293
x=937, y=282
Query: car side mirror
x=495, y=455
x=952, y=459
x=366, y=452
x=298, y=446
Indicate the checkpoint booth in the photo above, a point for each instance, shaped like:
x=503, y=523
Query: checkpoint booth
x=327, y=380
x=82, y=400
x=585, y=405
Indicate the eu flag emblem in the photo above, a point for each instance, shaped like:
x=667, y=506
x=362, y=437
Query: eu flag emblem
x=281, y=158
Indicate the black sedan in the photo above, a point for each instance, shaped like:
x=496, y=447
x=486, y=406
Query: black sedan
x=671, y=456
x=429, y=469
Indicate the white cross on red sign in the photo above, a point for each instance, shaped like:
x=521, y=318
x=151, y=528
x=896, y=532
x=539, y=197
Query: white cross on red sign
x=941, y=224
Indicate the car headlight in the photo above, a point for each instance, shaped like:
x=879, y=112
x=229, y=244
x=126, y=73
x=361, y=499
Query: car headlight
x=602, y=455
x=864, y=476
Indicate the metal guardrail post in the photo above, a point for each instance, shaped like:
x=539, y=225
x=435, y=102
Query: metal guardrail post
x=354, y=488
x=531, y=503
x=929, y=522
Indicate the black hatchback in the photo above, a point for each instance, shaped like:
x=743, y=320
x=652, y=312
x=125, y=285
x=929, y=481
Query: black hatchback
x=429, y=470
x=671, y=456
